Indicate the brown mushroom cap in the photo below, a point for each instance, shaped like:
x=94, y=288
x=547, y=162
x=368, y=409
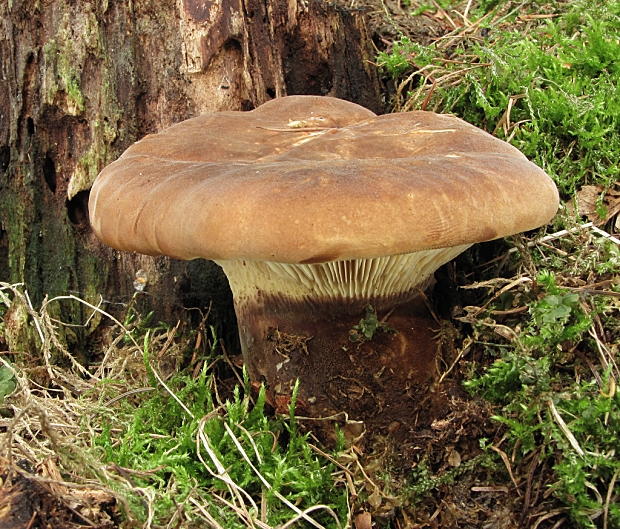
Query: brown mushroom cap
x=307, y=179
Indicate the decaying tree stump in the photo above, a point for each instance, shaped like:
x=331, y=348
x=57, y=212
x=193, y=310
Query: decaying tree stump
x=81, y=80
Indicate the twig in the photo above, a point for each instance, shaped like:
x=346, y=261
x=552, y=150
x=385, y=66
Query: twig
x=310, y=509
x=488, y=283
x=528, y=491
x=605, y=234
x=555, y=235
x=466, y=12
x=229, y=362
x=548, y=515
x=429, y=305
x=509, y=14
x=508, y=287
x=331, y=459
x=536, y=17
x=103, y=312
x=34, y=515
x=462, y=351
x=170, y=392
x=222, y=473
x=604, y=353
x=127, y=394
x=169, y=340
x=206, y=514
x=516, y=310
x=447, y=40
x=428, y=95
x=242, y=513
x=36, y=321
x=441, y=10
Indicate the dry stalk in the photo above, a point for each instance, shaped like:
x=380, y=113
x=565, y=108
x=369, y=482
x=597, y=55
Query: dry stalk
x=610, y=491
x=565, y=429
x=46, y=428
x=277, y=494
x=509, y=286
x=206, y=514
x=222, y=474
x=462, y=351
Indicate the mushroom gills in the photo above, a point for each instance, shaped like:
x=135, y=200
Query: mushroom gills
x=381, y=281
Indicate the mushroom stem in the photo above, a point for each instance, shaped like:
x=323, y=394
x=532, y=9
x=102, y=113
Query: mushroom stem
x=295, y=320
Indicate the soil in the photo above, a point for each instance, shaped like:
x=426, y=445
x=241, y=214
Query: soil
x=29, y=504
x=389, y=20
x=401, y=415
x=340, y=369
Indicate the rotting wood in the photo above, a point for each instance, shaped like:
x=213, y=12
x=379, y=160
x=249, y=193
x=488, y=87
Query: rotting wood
x=81, y=81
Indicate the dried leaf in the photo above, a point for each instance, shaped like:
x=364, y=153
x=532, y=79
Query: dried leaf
x=353, y=431
x=375, y=499
x=454, y=459
x=363, y=521
x=589, y=202
x=587, y=198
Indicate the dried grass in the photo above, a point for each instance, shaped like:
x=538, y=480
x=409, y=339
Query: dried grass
x=55, y=421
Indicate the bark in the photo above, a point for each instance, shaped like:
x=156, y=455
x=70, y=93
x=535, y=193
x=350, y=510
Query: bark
x=81, y=80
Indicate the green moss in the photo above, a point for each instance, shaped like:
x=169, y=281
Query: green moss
x=65, y=55
x=98, y=156
x=50, y=86
x=62, y=75
x=558, y=87
x=92, y=273
x=86, y=170
x=16, y=222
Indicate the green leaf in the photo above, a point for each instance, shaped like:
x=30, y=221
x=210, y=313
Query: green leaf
x=7, y=383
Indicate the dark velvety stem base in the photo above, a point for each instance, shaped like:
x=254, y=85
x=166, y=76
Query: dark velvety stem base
x=283, y=341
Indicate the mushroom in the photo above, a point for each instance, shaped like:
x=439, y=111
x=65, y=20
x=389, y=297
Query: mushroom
x=326, y=219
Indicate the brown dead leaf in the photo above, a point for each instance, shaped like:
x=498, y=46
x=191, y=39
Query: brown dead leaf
x=363, y=521
x=454, y=458
x=49, y=469
x=588, y=198
x=353, y=432
x=375, y=499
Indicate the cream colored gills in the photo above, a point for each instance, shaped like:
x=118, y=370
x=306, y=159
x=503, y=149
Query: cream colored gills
x=354, y=280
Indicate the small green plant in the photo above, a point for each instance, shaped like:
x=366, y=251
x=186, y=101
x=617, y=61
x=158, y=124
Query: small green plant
x=572, y=421
x=421, y=480
x=7, y=383
x=181, y=440
x=135, y=323
x=556, y=307
x=610, y=258
x=368, y=326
